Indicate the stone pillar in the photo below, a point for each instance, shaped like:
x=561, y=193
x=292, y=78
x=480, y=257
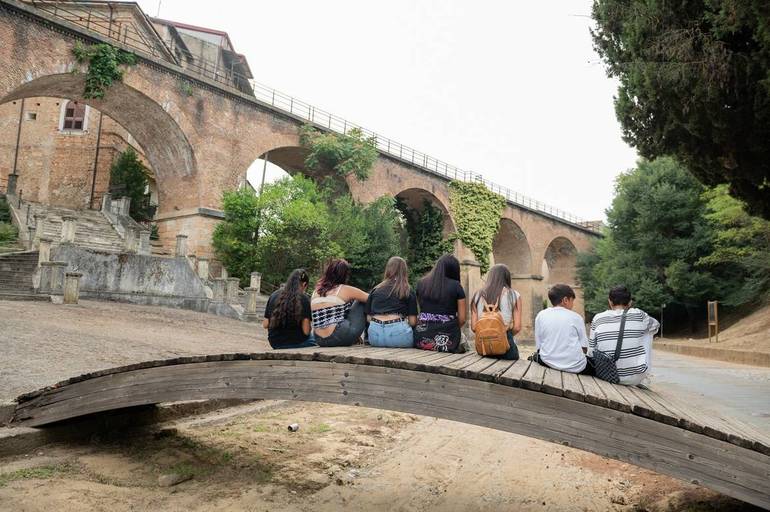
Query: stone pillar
x=470, y=278
x=203, y=268
x=250, y=315
x=224, y=273
x=52, y=277
x=181, y=246
x=256, y=281
x=121, y=206
x=68, y=229
x=39, y=227
x=231, y=292
x=144, y=242
x=72, y=287
x=31, y=237
x=107, y=202
x=44, y=248
x=131, y=243
x=529, y=287
x=13, y=179
x=218, y=288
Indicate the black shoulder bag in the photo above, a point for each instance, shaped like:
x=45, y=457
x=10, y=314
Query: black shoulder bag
x=605, y=367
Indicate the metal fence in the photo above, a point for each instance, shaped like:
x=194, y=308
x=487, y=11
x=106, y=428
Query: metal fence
x=129, y=36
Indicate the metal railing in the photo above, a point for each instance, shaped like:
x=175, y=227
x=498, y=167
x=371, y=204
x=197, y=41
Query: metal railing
x=304, y=111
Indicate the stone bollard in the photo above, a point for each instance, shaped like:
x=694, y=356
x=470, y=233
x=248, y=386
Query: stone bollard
x=231, y=292
x=144, y=242
x=71, y=287
x=224, y=274
x=250, y=315
x=203, y=269
x=107, y=202
x=68, y=223
x=256, y=281
x=44, y=251
x=218, y=290
x=181, y=246
x=31, y=235
x=12, y=180
x=39, y=227
x=131, y=242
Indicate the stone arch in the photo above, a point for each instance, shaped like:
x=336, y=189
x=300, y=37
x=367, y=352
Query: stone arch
x=511, y=247
x=165, y=144
x=560, y=262
x=415, y=199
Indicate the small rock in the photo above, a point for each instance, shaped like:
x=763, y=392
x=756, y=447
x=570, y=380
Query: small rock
x=618, y=499
x=339, y=481
x=172, y=479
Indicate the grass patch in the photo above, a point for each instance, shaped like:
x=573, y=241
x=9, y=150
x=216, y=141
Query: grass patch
x=321, y=428
x=259, y=428
x=41, y=473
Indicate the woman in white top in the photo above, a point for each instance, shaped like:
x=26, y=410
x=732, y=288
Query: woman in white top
x=337, y=309
x=498, y=291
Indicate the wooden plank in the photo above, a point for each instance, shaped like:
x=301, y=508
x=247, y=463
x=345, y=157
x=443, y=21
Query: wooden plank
x=593, y=393
x=573, y=389
x=453, y=368
x=614, y=399
x=492, y=373
x=512, y=376
x=533, y=379
x=421, y=361
x=653, y=409
x=552, y=382
x=472, y=371
x=434, y=365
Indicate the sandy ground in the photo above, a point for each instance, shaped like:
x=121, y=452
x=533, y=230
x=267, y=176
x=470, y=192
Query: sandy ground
x=351, y=458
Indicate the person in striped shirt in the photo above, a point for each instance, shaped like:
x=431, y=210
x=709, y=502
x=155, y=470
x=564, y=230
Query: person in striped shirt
x=636, y=350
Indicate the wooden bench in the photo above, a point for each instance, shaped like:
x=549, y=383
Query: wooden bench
x=641, y=427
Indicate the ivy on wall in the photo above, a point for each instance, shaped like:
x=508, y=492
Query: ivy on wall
x=476, y=211
x=425, y=237
x=347, y=154
x=104, y=61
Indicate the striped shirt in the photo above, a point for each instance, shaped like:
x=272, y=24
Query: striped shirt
x=636, y=351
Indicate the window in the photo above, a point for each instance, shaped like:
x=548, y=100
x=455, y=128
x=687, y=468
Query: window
x=30, y=116
x=74, y=116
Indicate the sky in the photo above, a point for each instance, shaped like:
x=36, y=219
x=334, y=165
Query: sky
x=512, y=90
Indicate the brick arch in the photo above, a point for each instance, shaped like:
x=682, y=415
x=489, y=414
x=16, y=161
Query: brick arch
x=560, y=261
x=512, y=248
x=415, y=199
x=164, y=143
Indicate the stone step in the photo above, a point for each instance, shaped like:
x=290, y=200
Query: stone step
x=23, y=295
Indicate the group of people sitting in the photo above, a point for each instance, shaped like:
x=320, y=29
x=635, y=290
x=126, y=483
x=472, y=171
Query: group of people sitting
x=432, y=316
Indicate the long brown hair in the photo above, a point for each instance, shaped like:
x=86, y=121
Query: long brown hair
x=337, y=272
x=288, y=304
x=397, y=276
x=498, y=279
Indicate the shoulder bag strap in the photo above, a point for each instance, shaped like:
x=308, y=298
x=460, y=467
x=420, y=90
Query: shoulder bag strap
x=620, y=336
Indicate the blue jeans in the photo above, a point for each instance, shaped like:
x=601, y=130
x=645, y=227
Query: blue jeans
x=395, y=335
x=513, y=352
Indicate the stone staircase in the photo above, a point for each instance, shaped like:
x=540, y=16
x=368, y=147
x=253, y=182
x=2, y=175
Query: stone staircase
x=92, y=229
x=17, y=270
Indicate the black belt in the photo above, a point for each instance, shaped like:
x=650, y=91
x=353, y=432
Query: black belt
x=386, y=322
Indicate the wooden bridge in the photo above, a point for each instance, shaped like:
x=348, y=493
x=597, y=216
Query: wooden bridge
x=640, y=427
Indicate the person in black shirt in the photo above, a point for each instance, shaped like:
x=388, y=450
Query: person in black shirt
x=442, y=307
x=392, y=308
x=287, y=315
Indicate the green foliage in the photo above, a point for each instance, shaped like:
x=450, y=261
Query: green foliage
x=185, y=87
x=104, y=61
x=694, y=83
x=8, y=233
x=347, y=154
x=129, y=178
x=5, y=210
x=476, y=211
x=42, y=472
x=424, y=238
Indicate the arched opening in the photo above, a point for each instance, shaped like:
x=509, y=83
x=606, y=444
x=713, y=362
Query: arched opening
x=559, y=262
x=510, y=247
x=163, y=143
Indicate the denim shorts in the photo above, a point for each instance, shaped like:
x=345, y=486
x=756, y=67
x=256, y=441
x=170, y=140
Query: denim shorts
x=395, y=335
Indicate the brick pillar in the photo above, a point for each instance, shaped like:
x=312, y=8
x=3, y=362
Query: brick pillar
x=68, y=229
x=231, y=292
x=256, y=281
x=181, y=246
x=72, y=287
x=470, y=278
x=250, y=315
x=218, y=288
x=203, y=268
x=12, y=181
x=144, y=242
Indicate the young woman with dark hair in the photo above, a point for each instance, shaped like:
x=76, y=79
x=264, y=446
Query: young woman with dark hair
x=338, y=309
x=287, y=315
x=442, y=307
x=497, y=290
x=392, y=308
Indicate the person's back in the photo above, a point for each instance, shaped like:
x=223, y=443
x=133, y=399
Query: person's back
x=635, y=358
x=442, y=307
x=560, y=338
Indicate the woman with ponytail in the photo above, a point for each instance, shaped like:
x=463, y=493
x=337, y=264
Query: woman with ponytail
x=392, y=308
x=287, y=315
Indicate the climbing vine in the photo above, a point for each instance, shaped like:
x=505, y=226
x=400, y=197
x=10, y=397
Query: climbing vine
x=425, y=237
x=104, y=61
x=476, y=211
x=351, y=153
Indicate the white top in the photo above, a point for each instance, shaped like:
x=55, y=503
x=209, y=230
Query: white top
x=505, y=306
x=636, y=351
x=560, y=336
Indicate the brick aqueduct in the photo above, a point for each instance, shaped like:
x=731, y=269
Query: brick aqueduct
x=201, y=144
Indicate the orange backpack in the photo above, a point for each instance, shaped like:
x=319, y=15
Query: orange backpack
x=491, y=332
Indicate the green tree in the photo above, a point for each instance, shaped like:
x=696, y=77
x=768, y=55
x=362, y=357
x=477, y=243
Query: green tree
x=425, y=241
x=129, y=178
x=694, y=83
x=347, y=154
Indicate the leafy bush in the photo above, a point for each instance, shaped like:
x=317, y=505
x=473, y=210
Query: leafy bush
x=424, y=238
x=351, y=153
x=129, y=178
x=8, y=233
x=104, y=61
x=5, y=210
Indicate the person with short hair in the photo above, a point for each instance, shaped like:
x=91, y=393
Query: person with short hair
x=635, y=358
x=287, y=314
x=337, y=309
x=392, y=308
x=442, y=307
x=560, y=334
x=498, y=290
